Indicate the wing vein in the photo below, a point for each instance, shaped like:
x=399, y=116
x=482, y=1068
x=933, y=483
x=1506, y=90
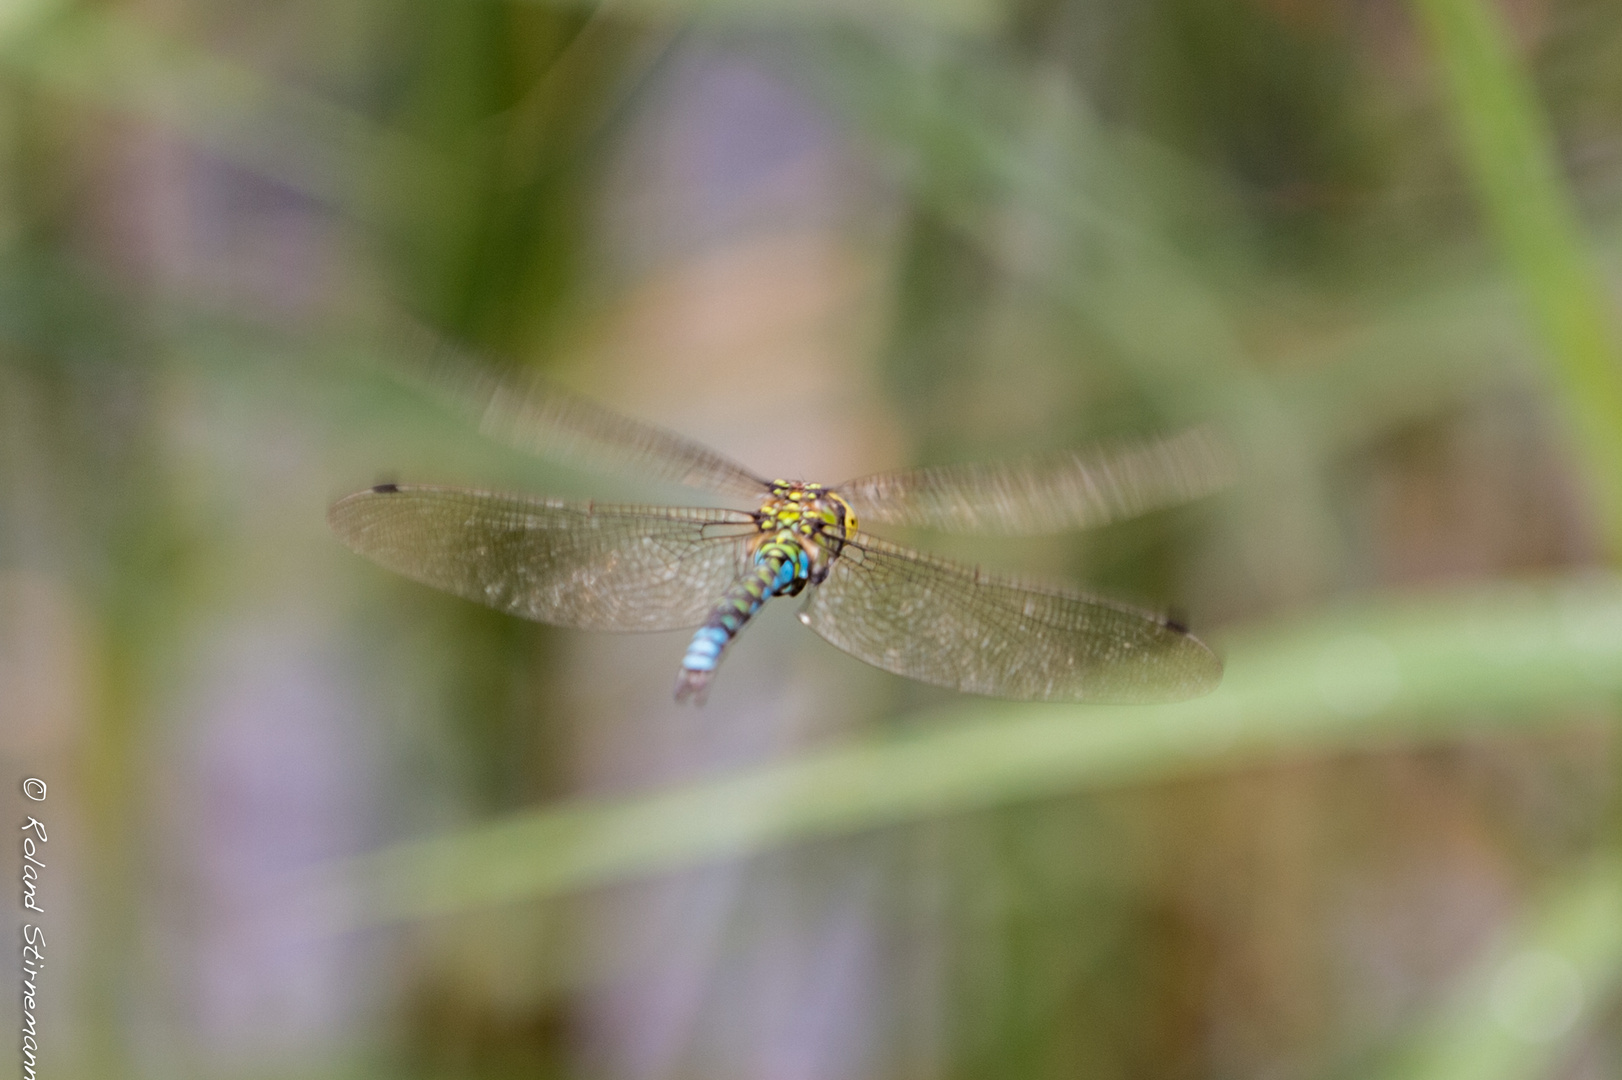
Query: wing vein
x=597, y=567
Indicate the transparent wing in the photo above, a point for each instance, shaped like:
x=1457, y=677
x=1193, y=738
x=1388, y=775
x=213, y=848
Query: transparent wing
x=595, y=567
x=954, y=626
x=534, y=414
x=1051, y=494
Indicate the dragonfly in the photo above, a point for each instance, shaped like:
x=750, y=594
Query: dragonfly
x=657, y=568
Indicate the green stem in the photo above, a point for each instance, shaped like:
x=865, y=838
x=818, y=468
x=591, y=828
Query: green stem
x=1505, y=659
x=1511, y=159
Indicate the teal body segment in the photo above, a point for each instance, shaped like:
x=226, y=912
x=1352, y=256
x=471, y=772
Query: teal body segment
x=782, y=568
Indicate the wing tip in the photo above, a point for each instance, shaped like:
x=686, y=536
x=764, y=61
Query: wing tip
x=347, y=516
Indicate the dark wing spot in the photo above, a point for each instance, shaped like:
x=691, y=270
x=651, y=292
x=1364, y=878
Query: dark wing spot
x=386, y=489
x=1176, y=620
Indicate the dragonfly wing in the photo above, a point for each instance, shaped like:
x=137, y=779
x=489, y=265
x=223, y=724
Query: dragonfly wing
x=595, y=567
x=955, y=626
x=1052, y=494
x=535, y=414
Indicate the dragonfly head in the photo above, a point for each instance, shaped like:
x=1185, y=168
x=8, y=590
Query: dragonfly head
x=806, y=510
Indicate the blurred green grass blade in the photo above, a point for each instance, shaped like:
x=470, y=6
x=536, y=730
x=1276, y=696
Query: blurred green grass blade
x=977, y=16
x=24, y=18
x=1512, y=160
x=987, y=146
x=1504, y=658
x=1449, y=340
x=983, y=143
x=952, y=16
x=1517, y=1011
x=228, y=109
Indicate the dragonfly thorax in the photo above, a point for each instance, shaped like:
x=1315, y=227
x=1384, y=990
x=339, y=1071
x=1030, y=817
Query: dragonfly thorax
x=810, y=515
x=805, y=509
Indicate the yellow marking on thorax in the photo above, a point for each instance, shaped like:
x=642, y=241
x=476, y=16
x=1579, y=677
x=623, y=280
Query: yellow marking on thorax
x=802, y=511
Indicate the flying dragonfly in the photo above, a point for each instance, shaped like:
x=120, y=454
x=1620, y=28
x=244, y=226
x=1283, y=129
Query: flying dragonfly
x=650, y=568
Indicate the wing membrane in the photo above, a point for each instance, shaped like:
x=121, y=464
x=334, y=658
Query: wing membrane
x=954, y=626
x=1045, y=495
x=535, y=414
x=595, y=567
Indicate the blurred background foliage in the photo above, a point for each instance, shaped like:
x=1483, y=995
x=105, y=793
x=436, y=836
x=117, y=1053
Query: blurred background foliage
x=308, y=820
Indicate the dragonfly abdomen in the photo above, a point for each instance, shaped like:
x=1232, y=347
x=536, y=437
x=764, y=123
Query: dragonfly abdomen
x=781, y=567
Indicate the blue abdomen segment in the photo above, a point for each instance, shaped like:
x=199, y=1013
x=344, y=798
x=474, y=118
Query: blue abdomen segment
x=780, y=567
x=705, y=651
